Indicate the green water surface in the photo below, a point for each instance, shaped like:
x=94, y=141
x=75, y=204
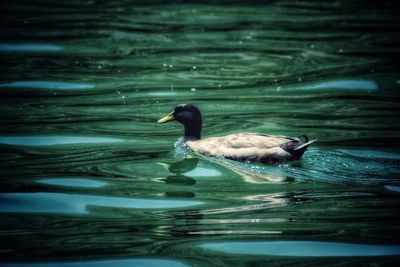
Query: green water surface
x=88, y=178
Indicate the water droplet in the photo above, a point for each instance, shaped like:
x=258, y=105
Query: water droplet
x=170, y=66
x=219, y=85
x=312, y=46
x=222, y=68
x=164, y=65
x=193, y=89
x=123, y=97
x=99, y=66
x=278, y=88
x=194, y=67
x=299, y=79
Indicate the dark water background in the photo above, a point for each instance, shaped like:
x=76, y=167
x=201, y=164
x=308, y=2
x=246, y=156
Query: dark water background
x=89, y=179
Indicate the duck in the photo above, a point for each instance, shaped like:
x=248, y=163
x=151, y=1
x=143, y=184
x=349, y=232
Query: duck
x=243, y=146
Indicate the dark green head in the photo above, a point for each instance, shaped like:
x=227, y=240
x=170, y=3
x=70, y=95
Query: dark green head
x=189, y=116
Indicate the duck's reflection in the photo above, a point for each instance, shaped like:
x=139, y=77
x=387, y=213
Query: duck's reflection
x=254, y=174
x=237, y=215
x=184, y=165
x=178, y=177
x=179, y=180
x=245, y=216
x=178, y=170
x=188, y=170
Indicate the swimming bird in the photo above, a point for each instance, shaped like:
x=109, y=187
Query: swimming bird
x=264, y=148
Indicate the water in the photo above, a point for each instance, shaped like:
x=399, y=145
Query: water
x=88, y=178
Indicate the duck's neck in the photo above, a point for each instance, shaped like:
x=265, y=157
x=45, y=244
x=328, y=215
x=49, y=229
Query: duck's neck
x=193, y=131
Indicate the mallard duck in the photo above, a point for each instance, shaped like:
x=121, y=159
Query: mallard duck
x=239, y=146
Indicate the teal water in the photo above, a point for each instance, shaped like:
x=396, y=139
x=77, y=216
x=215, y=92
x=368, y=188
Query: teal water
x=88, y=178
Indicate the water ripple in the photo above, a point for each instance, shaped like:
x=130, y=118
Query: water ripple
x=343, y=84
x=52, y=140
x=150, y=262
x=72, y=182
x=302, y=248
x=30, y=48
x=73, y=204
x=48, y=85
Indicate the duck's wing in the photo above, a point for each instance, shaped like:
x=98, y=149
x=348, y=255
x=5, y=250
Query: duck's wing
x=261, y=141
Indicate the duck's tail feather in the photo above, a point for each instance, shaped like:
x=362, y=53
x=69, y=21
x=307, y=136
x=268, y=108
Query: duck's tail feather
x=299, y=150
x=304, y=145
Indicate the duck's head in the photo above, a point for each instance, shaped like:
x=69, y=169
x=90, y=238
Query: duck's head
x=189, y=116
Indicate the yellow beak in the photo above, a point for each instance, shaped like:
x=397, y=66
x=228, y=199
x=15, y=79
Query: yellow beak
x=169, y=117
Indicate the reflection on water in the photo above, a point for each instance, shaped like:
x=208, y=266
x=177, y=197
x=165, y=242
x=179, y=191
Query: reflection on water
x=29, y=48
x=48, y=85
x=343, y=84
x=72, y=182
x=80, y=204
x=51, y=140
x=255, y=173
x=393, y=188
x=203, y=172
x=89, y=178
x=303, y=249
x=158, y=94
x=105, y=263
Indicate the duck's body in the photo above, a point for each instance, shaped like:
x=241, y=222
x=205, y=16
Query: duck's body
x=240, y=146
x=249, y=147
